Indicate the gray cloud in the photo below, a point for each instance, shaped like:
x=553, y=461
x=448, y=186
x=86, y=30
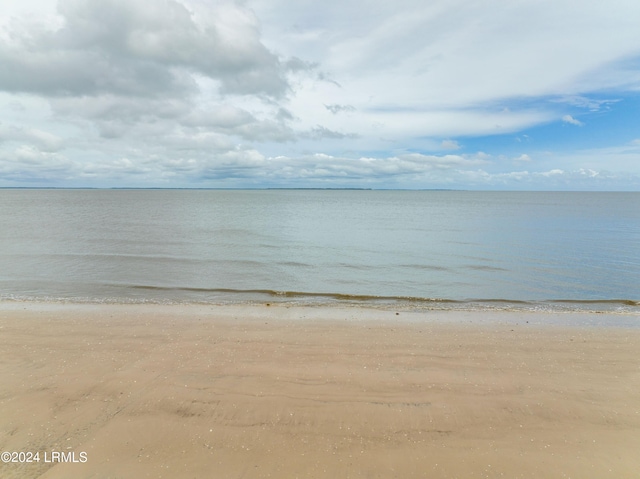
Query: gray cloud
x=138, y=81
x=335, y=109
x=113, y=107
x=26, y=164
x=42, y=139
x=320, y=132
x=132, y=48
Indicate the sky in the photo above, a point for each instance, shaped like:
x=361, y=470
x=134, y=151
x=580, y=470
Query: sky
x=461, y=94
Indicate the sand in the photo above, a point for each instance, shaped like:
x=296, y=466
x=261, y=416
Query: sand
x=149, y=391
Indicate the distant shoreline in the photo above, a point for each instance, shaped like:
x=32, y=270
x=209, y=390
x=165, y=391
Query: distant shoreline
x=219, y=189
x=159, y=188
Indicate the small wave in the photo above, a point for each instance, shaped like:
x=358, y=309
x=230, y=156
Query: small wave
x=425, y=267
x=626, y=302
x=482, y=267
x=154, y=294
x=296, y=264
x=298, y=294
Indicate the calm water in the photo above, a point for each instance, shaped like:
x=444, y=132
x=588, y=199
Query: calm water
x=463, y=249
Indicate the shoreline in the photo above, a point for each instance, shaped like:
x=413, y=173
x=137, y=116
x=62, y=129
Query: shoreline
x=287, y=391
x=574, y=312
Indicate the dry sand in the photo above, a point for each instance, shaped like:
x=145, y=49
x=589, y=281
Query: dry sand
x=291, y=392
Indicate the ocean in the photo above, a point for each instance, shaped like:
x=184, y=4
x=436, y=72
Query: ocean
x=401, y=249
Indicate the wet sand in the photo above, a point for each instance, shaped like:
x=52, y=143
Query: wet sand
x=147, y=391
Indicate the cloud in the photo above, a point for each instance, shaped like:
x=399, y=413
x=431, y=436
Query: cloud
x=270, y=92
x=571, y=120
x=450, y=145
x=227, y=166
x=587, y=103
x=26, y=164
x=320, y=132
x=44, y=140
x=223, y=166
x=124, y=47
x=457, y=52
x=335, y=109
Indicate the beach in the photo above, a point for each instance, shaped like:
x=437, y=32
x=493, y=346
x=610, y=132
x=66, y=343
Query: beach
x=285, y=391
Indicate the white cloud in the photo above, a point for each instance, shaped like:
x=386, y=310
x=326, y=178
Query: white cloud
x=572, y=120
x=585, y=102
x=450, y=145
x=456, y=52
x=250, y=168
x=555, y=172
x=230, y=166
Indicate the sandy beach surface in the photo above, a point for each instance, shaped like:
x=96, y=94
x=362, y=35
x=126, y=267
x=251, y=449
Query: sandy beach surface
x=150, y=391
